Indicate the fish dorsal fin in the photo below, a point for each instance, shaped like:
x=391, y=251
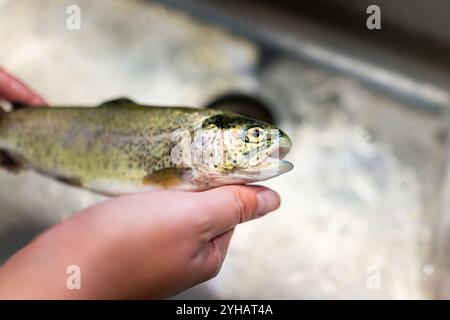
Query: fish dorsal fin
x=117, y=102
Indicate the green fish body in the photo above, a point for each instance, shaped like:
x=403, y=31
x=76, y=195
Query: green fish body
x=121, y=147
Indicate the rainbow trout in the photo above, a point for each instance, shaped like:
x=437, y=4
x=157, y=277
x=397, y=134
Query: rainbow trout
x=121, y=147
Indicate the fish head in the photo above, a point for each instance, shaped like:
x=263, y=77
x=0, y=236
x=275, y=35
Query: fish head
x=237, y=149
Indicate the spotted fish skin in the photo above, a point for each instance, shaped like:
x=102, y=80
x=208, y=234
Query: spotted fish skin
x=116, y=148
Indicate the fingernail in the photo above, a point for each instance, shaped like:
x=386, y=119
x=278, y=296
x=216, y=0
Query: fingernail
x=266, y=201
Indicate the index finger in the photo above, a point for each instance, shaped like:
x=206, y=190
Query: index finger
x=226, y=207
x=13, y=90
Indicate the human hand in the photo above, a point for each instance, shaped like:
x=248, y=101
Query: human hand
x=149, y=245
x=13, y=90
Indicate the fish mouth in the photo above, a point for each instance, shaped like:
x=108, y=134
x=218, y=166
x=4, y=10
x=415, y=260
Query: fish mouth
x=284, y=146
x=273, y=165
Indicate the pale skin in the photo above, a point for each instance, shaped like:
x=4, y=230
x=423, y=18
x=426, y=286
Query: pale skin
x=148, y=245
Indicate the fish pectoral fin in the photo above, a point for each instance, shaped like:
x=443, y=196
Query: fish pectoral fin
x=73, y=181
x=117, y=102
x=166, y=178
x=10, y=162
x=66, y=179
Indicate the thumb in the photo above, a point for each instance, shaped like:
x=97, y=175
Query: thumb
x=224, y=208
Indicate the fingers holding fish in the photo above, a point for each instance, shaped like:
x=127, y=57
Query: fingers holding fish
x=154, y=236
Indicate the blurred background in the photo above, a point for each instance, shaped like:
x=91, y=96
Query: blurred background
x=366, y=210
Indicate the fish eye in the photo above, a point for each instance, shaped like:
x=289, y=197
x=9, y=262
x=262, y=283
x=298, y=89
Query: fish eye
x=255, y=134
